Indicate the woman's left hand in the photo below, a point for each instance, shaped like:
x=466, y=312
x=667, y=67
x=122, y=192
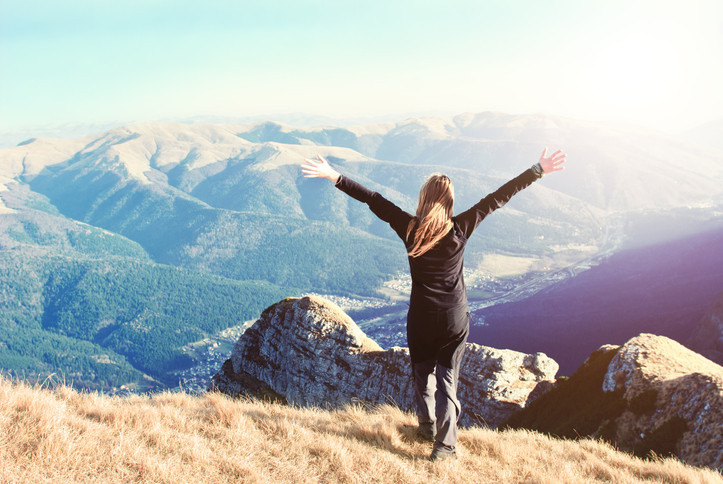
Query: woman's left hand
x=319, y=169
x=553, y=162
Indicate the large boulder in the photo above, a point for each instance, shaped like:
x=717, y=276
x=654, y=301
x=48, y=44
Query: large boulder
x=651, y=396
x=308, y=352
x=672, y=393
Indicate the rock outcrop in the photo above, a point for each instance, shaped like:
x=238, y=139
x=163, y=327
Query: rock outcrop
x=671, y=393
x=308, y=352
x=707, y=338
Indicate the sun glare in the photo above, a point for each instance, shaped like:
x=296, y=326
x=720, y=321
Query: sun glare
x=635, y=71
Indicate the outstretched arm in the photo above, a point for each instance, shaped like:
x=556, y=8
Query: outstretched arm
x=470, y=219
x=319, y=169
x=397, y=218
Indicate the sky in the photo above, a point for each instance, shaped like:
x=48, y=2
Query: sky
x=656, y=64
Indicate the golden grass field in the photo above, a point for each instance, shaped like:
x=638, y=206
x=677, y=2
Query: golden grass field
x=62, y=435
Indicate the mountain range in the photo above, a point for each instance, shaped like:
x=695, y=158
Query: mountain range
x=162, y=234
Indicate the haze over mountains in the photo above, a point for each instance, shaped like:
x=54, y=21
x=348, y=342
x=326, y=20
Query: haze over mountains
x=192, y=209
x=664, y=288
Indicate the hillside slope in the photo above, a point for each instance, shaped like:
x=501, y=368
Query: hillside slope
x=224, y=200
x=61, y=435
x=92, y=306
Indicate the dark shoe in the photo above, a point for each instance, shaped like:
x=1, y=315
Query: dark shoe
x=427, y=432
x=442, y=452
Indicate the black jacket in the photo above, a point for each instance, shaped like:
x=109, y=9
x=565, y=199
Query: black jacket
x=437, y=281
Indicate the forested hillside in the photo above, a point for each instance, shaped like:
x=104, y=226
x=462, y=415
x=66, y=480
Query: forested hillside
x=93, y=306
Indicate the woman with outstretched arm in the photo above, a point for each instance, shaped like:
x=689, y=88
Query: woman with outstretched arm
x=438, y=317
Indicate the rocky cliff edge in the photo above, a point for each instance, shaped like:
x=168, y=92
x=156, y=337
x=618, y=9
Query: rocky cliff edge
x=308, y=352
x=670, y=390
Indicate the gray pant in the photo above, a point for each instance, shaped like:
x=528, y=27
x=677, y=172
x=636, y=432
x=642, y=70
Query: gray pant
x=436, y=399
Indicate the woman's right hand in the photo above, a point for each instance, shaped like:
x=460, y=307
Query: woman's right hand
x=319, y=169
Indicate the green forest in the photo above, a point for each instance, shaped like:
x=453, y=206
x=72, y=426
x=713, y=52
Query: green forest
x=92, y=308
x=59, y=313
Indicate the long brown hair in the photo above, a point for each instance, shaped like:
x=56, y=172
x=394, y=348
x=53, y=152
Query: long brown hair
x=434, y=214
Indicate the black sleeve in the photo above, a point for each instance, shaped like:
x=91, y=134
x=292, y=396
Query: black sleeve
x=397, y=218
x=469, y=220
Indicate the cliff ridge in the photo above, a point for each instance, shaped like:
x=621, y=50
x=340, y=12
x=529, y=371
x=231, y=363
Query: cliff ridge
x=308, y=352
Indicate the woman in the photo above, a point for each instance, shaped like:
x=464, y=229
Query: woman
x=438, y=318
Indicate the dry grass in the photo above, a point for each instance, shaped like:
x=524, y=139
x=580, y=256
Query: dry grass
x=61, y=435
